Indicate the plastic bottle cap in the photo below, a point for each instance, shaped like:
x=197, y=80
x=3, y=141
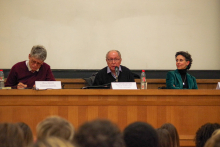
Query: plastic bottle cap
x=143, y=70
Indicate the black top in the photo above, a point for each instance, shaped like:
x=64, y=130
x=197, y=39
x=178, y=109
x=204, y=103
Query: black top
x=183, y=76
x=103, y=77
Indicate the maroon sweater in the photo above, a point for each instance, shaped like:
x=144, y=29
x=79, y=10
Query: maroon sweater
x=20, y=73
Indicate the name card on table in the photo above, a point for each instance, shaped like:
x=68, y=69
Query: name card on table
x=218, y=85
x=123, y=85
x=47, y=85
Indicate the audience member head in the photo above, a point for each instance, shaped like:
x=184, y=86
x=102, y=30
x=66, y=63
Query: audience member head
x=140, y=134
x=27, y=133
x=52, y=142
x=216, y=132
x=185, y=59
x=214, y=141
x=98, y=133
x=11, y=135
x=55, y=126
x=164, y=138
x=113, y=59
x=173, y=133
x=204, y=133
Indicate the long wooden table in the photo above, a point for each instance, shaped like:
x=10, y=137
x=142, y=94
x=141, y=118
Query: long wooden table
x=151, y=83
x=186, y=109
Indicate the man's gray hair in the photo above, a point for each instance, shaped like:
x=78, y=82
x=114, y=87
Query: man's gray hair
x=39, y=52
x=115, y=51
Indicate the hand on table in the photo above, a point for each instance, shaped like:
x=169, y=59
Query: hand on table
x=21, y=86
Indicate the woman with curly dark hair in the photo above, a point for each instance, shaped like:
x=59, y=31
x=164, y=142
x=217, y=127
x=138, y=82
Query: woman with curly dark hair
x=204, y=133
x=180, y=79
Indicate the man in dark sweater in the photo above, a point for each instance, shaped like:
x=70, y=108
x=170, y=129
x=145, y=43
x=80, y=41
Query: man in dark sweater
x=107, y=75
x=25, y=73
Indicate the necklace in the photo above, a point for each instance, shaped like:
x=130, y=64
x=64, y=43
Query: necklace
x=184, y=80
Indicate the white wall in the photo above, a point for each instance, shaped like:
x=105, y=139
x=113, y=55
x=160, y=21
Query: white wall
x=78, y=33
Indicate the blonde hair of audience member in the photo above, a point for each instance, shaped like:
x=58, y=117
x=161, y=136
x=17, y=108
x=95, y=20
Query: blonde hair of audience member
x=52, y=142
x=164, y=138
x=11, y=135
x=214, y=141
x=216, y=132
x=173, y=133
x=55, y=126
x=28, y=136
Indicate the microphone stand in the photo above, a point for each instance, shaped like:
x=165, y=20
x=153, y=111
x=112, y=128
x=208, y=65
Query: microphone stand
x=116, y=79
x=116, y=73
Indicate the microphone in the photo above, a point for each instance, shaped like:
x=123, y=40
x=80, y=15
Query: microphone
x=117, y=73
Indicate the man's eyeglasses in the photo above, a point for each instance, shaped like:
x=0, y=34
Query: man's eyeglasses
x=111, y=60
x=35, y=62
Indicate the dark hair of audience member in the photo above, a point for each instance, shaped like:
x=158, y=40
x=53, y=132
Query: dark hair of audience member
x=98, y=133
x=140, y=134
x=173, y=133
x=164, y=138
x=52, y=142
x=204, y=133
x=55, y=126
x=214, y=141
x=27, y=133
x=11, y=135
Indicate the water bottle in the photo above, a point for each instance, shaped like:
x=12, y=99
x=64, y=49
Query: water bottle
x=2, y=82
x=143, y=80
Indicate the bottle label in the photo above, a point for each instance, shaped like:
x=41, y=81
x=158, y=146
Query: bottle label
x=144, y=79
x=1, y=78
